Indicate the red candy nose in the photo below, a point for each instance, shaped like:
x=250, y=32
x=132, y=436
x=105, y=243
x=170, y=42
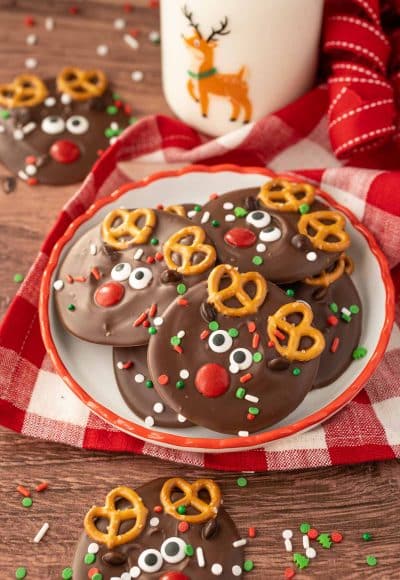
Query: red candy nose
x=64, y=151
x=109, y=294
x=240, y=237
x=174, y=576
x=212, y=380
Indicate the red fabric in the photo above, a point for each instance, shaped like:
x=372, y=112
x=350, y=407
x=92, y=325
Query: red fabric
x=296, y=138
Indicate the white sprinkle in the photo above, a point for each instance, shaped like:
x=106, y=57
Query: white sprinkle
x=181, y=418
x=120, y=365
x=184, y=374
x=31, y=169
x=93, y=249
x=158, y=321
x=102, y=50
x=134, y=572
x=261, y=247
x=41, y=533
x=205, y=217
x=180, y=334
x=125, y=576
x=287, y=534
x=22, y=175
x=216, y=569
x=114, y=125
x=31, y=39
x=158, y=407
x=154, y=36
x=2, y=129
x=228, y=205
x=138, y=254
x=243, y=433
x=236, y=570
x=49, y=23
x=139, y=378
x=239, y=543
x=131, y=42
x=311, y=256
x=154, y=522
x=29, y=127
x=234, y=369
x=137, y=76
x=50, y=102
x=230, y=217
x=93, y=548
x=66, y=99
x=251, y=398
x=113, y=140
x=58, y=285
x=149, y=421
x=191, y=213
x=31, y=62
x=18, y=134
x=288, y=546
x=119, y=24
x=311, y=553
x=306, y=541
x=345, y=311
x=200, y=557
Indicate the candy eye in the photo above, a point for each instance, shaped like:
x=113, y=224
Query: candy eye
x=173, y=550
x=140, y=278
x=77, y=124
x=240, y=359
x=150, y=560
x=53, y=125
x=258, y=218
x=121, y=272
x=270, y=234
x=219, y=341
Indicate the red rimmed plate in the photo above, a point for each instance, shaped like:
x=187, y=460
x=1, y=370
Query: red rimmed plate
x=87, y=368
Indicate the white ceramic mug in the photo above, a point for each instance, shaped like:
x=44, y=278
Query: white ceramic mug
x=228, y=62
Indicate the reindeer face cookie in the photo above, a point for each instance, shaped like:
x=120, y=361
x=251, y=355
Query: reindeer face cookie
x=53, y=131
x=248, y=354
x=279, y=230
x=167, y=530
x=117, y=279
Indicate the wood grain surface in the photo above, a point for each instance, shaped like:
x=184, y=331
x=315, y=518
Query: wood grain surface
x=352, y=499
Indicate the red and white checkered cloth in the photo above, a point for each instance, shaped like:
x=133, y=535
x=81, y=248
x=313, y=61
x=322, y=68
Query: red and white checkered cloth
x=34, y=400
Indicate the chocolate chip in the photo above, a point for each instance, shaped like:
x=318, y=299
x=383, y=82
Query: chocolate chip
x=114, y=558
x=320, y=293
x=170, y=277
x=209, y=530
x=301, y=242
x=207, y=312
x=9, y=184
x=251, y=203
x=278, y=364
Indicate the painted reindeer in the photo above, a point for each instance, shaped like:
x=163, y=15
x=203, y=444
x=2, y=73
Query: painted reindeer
x=205, y=80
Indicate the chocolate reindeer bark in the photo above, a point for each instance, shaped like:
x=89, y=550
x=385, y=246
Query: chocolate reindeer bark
x=279, y=230
x=117, y=279
x=167, y=530
x=248, y=354
x=52, y=131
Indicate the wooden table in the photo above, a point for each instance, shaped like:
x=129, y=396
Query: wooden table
x=353, y=499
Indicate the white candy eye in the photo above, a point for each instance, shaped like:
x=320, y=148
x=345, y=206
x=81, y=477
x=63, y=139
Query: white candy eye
x=173, y=550
x=121, y=271
x=258, y=218
x=241, y=358
x=219, y=341
x=140, y=278
x=150, y=560
x=270, y=234
x=53, y=125
x=77, y=125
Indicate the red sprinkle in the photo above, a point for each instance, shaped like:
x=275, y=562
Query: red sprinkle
x=178, y=348
x=271, y=343
x=205, y=334
x=80, y=279
x=183, y=527
x=251, y=326
x=246, y=378
x=128, y=7
x=213, y=196
x=32, y=181
x=250, y=417
x=160, y=206
x=92, y=572
x=335, y=344
x=42, y=486
x=159, y=257
x=70, y=279
x=134, y=32
x=150, y=260
x=153, y=310
x=23, y=491
x=29, y=21
x=118, y=103
x=127, y=109
x=128, y=364
x=289, y=573
x=30, y=160
x=279, y=334
x=337, y=537
x=140, y=319
x=332, y=320
x=157, y=509
x=146, y=323
x=183, y=301
x=313, y=533
x=73, y=10
x=252, y=532
x=256, y=340
x=154, y=3
x=163, y=379
x=95, y=273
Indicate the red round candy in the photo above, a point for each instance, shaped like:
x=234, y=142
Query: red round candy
x=174, y=576
x=289, y=573
x=109, y=294
x=240, y=237
x=183, y=527
x=212, y=380
x=337, y=537
x=313, y=534
x=64, y=151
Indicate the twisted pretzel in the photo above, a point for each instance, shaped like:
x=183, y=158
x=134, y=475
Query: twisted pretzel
x=344, y=264
x=115, y=235
x=280, y=194
x=24, y=91
x=236, y=289
x=207, y=511
x=322, y=230
x=295, y=332
x=112, y=538
x=174, y=246
x=80, y=84
x=176, y=209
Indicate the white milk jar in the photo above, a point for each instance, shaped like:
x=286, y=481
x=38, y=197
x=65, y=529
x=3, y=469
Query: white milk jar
x=229, y=62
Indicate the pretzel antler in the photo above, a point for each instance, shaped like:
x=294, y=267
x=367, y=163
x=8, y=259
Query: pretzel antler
x=220, y=31
x=189, y=16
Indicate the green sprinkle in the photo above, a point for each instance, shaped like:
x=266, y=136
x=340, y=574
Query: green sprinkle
x=215, y=223
x=300, y=560
x=66, y=574
x=154, y=241
x=334, y=307
x=18, y=278
x=257, y=260
x=296, y=371
x=359, y=352
x=180, y=384
x=290, y=292
x=257, y=357
x=97, y=576
x=189, y=551
x=367, y=537
x=112, y=110
x=71, y=307
x=213, y=325
x=248, y=565
x=149, y=384
x=181, y=289
x=21, y=572
x=175, y=340
x=27, y=502
x=345, y=317
x=89, y=558
x=304, y=208
x=109, y=133
x=181, y=510
x=197, y=208
x=354, y=309
x=132, y=120
x=4, y=114
x=241, y=481
x=371, y=560
x=305, y=528
x=116, y=97
x=254, y=410
x=240, y=212
x=152, y=330
x=240, y=393
x=233, y=332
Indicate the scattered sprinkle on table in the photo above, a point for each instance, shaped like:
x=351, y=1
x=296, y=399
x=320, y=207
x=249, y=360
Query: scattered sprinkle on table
x=23, y=490
x=137, y=76
x=248, y=565
x=359, y=352
x=18, y=278
x=241, y=481
x=31, y=63
x=367, y=537
x=41, y=533
x=21, y=572
x=305, y=528
x=27, y=502
x=31, y=39
x=154, y=37
x=119, y=24
x=371, y=560
x=102, y=50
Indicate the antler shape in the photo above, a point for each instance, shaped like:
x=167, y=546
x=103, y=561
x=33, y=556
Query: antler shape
x=189, y=16
x=221, y=31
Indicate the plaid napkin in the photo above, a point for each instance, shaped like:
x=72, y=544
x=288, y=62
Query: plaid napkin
x=35, y=401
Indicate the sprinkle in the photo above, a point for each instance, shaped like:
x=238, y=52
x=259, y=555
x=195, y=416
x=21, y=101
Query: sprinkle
x=205, y=217
x=102, y=50
x=158, y=509
x=233, y=332
x=305, y=528
x=279, y=335
x=152, y=330
x=154, y=37
x=183, y=527
x=66, y=574
x=271, y=343
x=183, y=302
x=313, y=534
x=257, y=357
x=256, y=340
x=112, y=110
x=311, y=552
x=138, y=254
x=216, y=569
x=248, y=565
x=197, y=208
x=175, y=340
x=154, y=522
x=367, y=537
x=18, y=135
x=150, y=260
x=200, y=557
x=140, y=319
x=180, y=384
x=239, y=543
x=159, y=257
x=306, y=541
x=189, y=550
x=182, y=418
x=236, y=570
x=337, y=537
x=371, y=560
x=345, y=314
x=254, y=410
x=21, y=572
x=240, y=212
x=257, y=260
x=49, y=23
x=31, y=63
x=69, y=278
x=154, y=241
x=213, y=325
x=71, y=307
x=215, y=223
x=246, y=378
x=296, y=371
x=288, y=546
x=149, y=421
x=332, y=320
x=27, y=129
x=95, y=273
x=243, y=433
x=31, y=39
x=184, y=374
x=334, y=307
x=163, y=379
x=93, y=548
x=158, y=321
x=230, y=217
x=119, y=24
x=354, y=309
x=251, y=398
x=359, y=352
x=251, y=532
x=311, y=256
x=41, y=486
x=204, y=334
x=58, y=285
x=289, y=573
x=158, y=408
x=181, y=333
x=335, y=344
x=241, y=482
x=261, y=248
x=290, y=292
x=287, y=534
x=18, y=278
x=250, y=417
x=139, y=378
x=89, y=558
x=251, y=326
x=73, y=10
x=66, y=99
x=149, y=384
x=300, y=560
x=181, y=509
x=304, y=208
x=181, y=288
x=228, y=205
x=134, y=572
x=23, y=491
